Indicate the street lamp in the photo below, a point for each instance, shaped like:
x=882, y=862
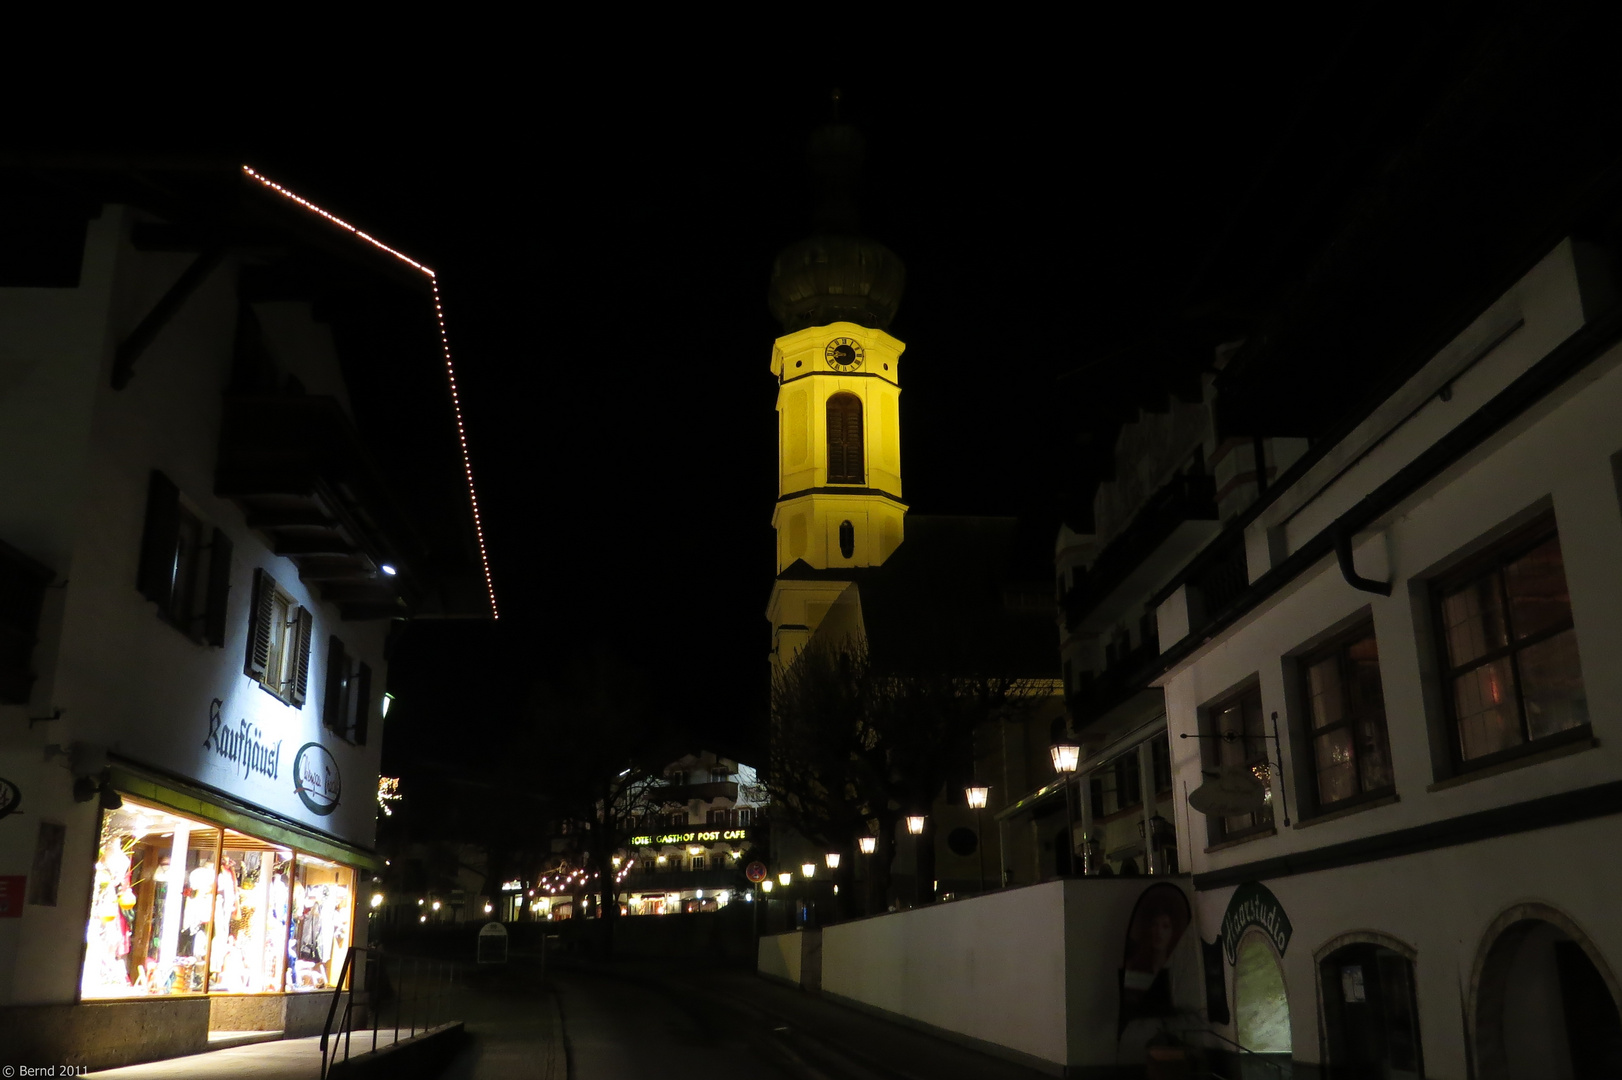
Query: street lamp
x=784, y=878
x=1066, y=757
x=868, y=844
x=832, y=858
x=766, y=885
x=977, y=802
x=808, y=868
x=915, y=824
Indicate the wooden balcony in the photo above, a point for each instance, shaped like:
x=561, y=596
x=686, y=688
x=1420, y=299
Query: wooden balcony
x=299, y=471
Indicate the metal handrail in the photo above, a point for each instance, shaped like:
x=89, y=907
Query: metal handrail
x=424, y=1010
x=1245, y=1049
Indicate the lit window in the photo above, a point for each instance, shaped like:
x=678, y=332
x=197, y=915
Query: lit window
x=1509, y=649
x=1345, y=710
x=1239, y=718
x=278, y=642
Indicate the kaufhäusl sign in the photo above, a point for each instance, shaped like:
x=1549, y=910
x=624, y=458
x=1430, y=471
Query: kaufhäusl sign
x=244, y=745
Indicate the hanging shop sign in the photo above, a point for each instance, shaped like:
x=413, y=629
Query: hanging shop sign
x=1253, y=904
x=11, y=797
x=315, y=778
x=243, y=745
x=691, y=836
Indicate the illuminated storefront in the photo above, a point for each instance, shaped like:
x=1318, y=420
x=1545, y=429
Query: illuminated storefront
x=684, y=870
x=185, y=906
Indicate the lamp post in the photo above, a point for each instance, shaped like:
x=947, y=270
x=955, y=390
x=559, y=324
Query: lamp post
x=1066, y=756
x=915, y=826
x=808, y=870
x=867, y=845
x=976, y=797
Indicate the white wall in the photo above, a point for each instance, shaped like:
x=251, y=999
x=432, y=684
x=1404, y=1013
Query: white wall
x=779, y=955
x=1561, y=453
x=1032, y=969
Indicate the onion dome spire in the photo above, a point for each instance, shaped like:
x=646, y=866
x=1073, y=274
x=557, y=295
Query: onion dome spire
x=836, y=274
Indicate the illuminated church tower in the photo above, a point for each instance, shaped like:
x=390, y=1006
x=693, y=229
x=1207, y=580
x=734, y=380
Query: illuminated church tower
x=839, y=502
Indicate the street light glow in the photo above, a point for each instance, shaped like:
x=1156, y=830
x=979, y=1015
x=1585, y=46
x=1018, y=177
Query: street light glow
x=915, y=824
x=832, y=859
x=868, y=844
x=1065, y=757
x=808, y=868
x=976, y=797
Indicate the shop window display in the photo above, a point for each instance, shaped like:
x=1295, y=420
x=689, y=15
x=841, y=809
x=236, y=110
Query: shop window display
x=251, y=915
x=323, y=903
x=152, y=905
x=183, y=907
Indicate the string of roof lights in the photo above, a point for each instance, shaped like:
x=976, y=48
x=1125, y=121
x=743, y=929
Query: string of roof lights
x=444, y=344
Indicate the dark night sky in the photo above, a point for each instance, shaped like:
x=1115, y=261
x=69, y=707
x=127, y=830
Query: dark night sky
x=592, y=216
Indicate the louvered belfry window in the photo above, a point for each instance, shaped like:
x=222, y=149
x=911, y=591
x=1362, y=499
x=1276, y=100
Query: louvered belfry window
x=845, y=459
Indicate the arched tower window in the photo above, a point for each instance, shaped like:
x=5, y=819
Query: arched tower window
x=845, y=439
x=847, y=539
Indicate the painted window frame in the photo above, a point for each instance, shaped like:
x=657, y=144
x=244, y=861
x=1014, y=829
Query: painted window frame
x=1338, y=648
x=185, y=563
x=1496, y=560
x=1214, y=753
x=281, y=666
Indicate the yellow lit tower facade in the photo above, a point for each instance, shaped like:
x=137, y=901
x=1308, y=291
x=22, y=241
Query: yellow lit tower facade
x=838, y=375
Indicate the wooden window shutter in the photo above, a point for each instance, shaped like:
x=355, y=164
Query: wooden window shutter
x=155, y=578
x=219, y=587
x=301, y=672
x=332, y=704
x=362, y=694
x=844, y=426
x=260, y=631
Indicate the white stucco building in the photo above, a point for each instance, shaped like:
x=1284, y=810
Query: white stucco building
x=201, y=559
x=1424, y=885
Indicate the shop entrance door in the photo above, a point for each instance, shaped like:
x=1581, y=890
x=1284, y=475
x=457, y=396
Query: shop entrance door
x=1544, y=1009
x=1371, y=1016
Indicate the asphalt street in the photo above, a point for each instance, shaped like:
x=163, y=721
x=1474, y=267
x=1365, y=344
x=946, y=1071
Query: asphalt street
x=586, y=1021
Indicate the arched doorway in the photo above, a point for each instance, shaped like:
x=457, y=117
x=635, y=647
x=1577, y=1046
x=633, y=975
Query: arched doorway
x=1371, y=1013
x=1261, y=1006
x=1544, y=1007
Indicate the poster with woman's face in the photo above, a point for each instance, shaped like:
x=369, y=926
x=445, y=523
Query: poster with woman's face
x=1157, y=925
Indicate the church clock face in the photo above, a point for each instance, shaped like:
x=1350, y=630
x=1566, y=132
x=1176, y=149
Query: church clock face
x=844, y=354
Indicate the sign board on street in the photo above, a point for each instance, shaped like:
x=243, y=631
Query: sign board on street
x=493, y=944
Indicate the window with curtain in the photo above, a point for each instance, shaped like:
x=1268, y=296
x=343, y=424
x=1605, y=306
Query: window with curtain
x=1509, y=649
